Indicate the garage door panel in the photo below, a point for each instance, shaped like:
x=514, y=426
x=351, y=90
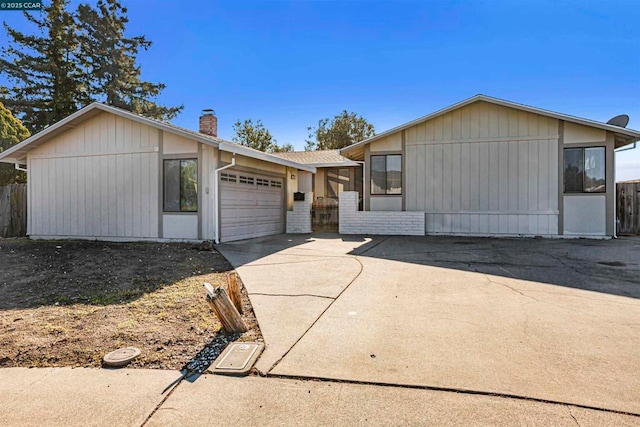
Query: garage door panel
x=251, y=207
x=237, y=216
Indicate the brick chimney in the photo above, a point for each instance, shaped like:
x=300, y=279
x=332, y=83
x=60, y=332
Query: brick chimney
x=209, y=123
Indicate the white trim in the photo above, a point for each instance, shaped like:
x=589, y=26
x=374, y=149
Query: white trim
x=532, y=212
x=627, y=132
x=494, y=139
x=113, y=239
x=523, y=236
x=216, y=196
x=150, y=150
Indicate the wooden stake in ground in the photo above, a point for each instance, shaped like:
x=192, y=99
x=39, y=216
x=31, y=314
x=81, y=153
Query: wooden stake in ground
x=234, y=291
x=220, y=303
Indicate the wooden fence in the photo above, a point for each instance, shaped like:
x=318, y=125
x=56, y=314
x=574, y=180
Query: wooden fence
x=13, y=210
x=628, y=207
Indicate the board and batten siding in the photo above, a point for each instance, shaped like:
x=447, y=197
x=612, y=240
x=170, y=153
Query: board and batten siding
x=97, y=180
x=484, y=169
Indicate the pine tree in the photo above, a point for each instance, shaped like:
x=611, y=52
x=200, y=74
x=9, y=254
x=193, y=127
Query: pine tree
x=109, y=57
x=43, y=69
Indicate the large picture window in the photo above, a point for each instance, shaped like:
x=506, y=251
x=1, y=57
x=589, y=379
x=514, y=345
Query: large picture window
x=181, y=185
x=584, y=170
x=386, y=174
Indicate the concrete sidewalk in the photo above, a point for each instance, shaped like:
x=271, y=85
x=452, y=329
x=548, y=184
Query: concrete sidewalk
x=130, y=397
x=80, y=396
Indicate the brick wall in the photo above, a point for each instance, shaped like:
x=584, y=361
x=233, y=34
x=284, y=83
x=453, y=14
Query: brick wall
x=299, y=219
x=209, y=124
x=352, y=221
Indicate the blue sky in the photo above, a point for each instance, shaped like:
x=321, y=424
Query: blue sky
x=293, y=63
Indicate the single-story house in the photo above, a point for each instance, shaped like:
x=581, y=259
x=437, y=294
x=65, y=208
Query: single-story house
x=105, y=173
x=486, y=166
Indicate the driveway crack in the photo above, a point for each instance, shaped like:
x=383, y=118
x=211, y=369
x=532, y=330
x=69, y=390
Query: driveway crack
x=574, y=418
x=320, y=316
x=486, y=276
x=171, y=388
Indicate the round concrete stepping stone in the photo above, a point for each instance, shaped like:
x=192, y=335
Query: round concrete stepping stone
x=121, y=356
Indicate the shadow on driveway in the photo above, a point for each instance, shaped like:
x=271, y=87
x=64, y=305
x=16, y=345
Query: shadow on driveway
x=607, y=266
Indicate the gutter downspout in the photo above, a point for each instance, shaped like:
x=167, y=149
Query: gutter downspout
x=625, y=149
x=216, y=196
x=17, y=166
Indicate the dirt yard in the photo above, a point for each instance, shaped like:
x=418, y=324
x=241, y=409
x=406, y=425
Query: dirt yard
x=68, y=303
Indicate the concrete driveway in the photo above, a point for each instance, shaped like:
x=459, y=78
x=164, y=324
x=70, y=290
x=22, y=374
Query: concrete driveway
x=552, y=320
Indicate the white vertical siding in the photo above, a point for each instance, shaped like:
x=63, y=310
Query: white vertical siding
x=99, y=179
x=484, y=169
x=209, y=164
x=585, y=215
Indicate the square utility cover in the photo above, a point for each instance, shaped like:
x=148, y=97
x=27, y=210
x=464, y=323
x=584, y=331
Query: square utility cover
x=238, y=358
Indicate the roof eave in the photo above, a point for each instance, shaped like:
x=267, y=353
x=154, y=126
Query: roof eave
x=13, y=160
x=244, y=151
x=334, y=164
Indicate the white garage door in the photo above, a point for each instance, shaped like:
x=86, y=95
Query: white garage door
x=251, y=205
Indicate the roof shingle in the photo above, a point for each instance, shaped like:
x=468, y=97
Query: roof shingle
x=316, y=158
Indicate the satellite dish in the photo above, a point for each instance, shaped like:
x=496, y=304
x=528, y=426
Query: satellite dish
x=621, y=121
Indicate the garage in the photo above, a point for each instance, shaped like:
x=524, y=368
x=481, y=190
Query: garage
x=251, y=205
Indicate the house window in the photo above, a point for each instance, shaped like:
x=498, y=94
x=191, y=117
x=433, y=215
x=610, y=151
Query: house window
x=584, y=170
x=386, y=174
x=181, y=185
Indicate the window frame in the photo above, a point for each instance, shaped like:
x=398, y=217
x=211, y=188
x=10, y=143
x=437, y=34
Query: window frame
x=386, y=177
x=583, y=150
x=164, y=193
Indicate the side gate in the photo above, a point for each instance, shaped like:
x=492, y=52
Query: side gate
x=324, y=215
